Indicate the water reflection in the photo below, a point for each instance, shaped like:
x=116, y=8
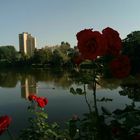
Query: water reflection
x=29, y=80
x=28, y=86
x=8, y=79
x=60, y=78
x=93, y=123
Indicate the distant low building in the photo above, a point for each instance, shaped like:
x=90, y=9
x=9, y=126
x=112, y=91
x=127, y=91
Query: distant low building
x=27, y=44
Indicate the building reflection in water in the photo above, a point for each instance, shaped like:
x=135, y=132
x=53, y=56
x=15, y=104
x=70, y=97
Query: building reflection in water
x=28, y=86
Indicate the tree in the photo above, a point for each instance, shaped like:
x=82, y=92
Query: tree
x=60, y=54
x=48, y=52
x=131, y=47
x=8, y=53
x=64, y=47
x=57, y=58
x=39, y=56
x=42, y=56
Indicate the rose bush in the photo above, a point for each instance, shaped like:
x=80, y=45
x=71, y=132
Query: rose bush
x=120, y=67
x=103, y=51
x=32, y=97
x=41, y=101
x=93, y=45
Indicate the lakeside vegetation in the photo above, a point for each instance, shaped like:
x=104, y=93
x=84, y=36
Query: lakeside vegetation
x=63, y=55
x=45, y=57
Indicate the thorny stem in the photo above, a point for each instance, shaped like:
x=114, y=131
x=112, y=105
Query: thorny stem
x=95, y=136
x=94, y=88
x=10, y=135
x=90, y=110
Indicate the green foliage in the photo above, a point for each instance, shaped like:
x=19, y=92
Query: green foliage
x=57, y=59
x=83, y=76
x=64, y=47
x=40, y=56
x=76, y=91
x=90, y=127
x=8, y=56
x=52, y=56
x=40, y=129
x=131, y=47
x=132, y=90
x=8, y=53
x=124, y=123
x=47, y=56
x=104, y=99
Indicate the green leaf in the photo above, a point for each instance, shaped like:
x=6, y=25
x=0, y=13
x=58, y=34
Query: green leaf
x=79, y=91
x=72, y=90
x=52, y=132
x=55, y=125
x=42, y=114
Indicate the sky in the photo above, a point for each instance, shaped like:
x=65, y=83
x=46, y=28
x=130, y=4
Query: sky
x=54, y=21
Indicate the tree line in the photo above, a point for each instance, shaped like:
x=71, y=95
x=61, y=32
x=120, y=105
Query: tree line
x=63, y=54
x=58, y=55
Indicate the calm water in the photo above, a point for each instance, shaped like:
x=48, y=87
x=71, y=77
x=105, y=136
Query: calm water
x=16, y=86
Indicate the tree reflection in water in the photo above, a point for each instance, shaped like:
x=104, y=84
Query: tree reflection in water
x=10, y=78
x=120, y=124
x=131, y=90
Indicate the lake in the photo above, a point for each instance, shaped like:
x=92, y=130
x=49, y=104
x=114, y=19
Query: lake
x=16, y=86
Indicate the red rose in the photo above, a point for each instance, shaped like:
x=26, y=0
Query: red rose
x=4, y=123
x=120, y=67
x=45, y=101
x=32, y=97
x=41, y=102
x=113, y=41
x=91, y=44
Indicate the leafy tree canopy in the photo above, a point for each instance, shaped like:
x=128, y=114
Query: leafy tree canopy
x=131, y=47
x=8, y=53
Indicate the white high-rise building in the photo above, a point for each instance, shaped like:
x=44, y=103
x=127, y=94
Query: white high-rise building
x=27, y=44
